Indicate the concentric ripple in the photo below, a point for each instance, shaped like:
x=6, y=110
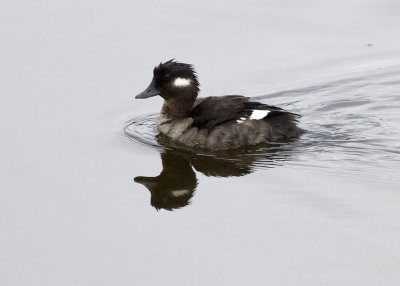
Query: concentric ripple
x=143, y=130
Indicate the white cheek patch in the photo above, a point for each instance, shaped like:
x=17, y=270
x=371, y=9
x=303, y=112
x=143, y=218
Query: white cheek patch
x=178, y=193
x=182, y=82
x=259, y=114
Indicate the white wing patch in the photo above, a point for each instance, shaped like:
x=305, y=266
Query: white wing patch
x=181, y=82
x=241, y=120
x=256, y=114
x=259, y=114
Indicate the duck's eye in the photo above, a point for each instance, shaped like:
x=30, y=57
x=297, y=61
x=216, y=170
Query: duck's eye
x=167, y=77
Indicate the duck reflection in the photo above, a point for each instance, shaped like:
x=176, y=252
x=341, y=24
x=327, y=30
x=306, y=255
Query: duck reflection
x=174, y=187
x=176, y=184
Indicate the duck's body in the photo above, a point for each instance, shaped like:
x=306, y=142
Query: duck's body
x=214, y=123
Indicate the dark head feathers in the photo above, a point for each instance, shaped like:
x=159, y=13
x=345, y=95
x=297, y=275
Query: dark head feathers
x=174, y=66
x=173, y=69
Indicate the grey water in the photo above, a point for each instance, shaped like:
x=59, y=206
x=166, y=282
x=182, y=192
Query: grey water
x=90, y=194
x=328, y=199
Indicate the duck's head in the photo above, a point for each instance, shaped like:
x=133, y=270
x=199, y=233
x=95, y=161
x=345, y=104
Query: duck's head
x=176, y=82
x=171, y=79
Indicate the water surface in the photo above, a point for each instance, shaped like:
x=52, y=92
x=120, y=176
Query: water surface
x=77, y=151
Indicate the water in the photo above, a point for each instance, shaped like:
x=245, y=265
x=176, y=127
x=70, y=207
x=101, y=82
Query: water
x=79, y=154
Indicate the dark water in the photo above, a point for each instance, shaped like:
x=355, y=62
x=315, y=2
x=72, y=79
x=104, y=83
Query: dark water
x=352, y=130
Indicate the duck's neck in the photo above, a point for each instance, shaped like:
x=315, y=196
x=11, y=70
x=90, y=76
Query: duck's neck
x=179, y=105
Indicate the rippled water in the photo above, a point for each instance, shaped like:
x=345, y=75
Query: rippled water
x=352, y=123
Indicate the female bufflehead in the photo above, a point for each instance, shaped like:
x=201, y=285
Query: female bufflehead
x=213, y=123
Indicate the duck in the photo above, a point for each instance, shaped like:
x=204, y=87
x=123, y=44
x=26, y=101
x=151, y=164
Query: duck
x=216, y=122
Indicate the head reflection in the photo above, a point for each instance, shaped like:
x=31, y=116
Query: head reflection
x=174, y=187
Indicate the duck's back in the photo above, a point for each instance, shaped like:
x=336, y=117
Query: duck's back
x=230, y=122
